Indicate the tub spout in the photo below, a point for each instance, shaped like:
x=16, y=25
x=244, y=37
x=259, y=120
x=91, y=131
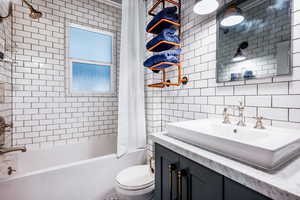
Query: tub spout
x=4, y=150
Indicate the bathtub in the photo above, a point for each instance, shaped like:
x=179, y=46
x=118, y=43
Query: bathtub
x=82, y=171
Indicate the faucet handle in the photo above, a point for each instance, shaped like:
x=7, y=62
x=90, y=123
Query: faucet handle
x=241, y=106
x=225, y=110
x=3, y=124
x=259, y=118
x=259, y=123
x=226, y=116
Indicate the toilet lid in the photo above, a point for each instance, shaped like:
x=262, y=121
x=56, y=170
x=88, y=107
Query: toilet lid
x=135, y=178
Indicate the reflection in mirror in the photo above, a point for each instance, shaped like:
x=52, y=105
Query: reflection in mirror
x=253, y=39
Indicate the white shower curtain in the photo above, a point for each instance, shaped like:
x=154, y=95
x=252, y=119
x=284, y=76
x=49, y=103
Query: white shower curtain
x=131, y=116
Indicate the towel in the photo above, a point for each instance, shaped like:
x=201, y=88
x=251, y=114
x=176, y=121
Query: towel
x=164, y=56
x=167, y=13
x=167, y=34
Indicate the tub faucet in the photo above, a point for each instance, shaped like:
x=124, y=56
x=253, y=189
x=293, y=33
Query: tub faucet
x=4, y=150
x=241, y=109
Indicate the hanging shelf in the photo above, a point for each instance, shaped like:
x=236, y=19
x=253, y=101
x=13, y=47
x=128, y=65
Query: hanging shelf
x=162, y=24
x=163, y=45
x=165, y=82
x=162, y=65
x=178, y=4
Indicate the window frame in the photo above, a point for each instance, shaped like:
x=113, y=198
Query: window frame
x=70, y=60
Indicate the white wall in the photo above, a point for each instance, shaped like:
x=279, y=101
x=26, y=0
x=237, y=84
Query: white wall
x=44, y=114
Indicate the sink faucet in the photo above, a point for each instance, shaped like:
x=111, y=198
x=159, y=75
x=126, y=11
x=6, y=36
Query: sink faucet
x=226, y=116
x=4, y=150
x=259, y=123
x=241, y=109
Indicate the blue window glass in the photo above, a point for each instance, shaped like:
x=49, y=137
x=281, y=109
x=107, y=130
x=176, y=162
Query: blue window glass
x=88, y=45
x=91, y=77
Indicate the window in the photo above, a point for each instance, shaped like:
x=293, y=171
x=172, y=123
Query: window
x=90, y=55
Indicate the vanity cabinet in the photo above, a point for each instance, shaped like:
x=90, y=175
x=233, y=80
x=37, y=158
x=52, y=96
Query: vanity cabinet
x=178, y=178
x=234, y=191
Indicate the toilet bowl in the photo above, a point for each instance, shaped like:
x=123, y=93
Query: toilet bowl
x=135, y=183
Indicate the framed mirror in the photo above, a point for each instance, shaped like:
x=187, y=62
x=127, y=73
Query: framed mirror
x=253, y=39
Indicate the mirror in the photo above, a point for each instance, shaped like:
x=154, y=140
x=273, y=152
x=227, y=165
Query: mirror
x=253, y=39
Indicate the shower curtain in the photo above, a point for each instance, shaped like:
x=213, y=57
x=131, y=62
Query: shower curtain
x=131, y=114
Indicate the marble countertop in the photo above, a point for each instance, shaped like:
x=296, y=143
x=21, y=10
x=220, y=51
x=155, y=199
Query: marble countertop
x=283, y=184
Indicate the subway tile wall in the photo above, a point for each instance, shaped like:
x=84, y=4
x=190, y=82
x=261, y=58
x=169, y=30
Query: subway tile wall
x=44, y=113
x=6, y=46
x=276, y=99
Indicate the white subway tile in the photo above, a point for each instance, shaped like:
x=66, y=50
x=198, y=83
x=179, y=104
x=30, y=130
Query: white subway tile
x=273, y=113
x=294, y=115
x=245, y=90
x=286, y=101
x=223, y=91
x=273, y=88
x=263, y=101
x=294, y=87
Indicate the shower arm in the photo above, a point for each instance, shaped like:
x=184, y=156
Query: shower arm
x=28, y=4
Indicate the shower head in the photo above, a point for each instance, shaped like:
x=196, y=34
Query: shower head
x=34, y=14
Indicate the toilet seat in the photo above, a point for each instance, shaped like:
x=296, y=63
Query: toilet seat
x=134, y=178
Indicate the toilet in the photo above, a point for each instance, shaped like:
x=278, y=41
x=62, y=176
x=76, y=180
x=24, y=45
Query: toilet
x=135, y=183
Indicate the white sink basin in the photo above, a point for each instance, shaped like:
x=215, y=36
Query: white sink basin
x=266, y=149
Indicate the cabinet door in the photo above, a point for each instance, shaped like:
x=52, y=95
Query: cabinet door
x=166, y=166
x=198, y=182
x=234, y=191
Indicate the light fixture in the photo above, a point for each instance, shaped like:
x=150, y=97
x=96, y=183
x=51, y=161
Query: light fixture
x=204, y=7
x=232, y=16
x=240, y=54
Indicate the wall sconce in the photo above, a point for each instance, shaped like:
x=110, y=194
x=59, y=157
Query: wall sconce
x=204, y=7
x=240, y=53
x=232, y=16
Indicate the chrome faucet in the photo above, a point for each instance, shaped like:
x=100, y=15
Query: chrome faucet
x=241, y=109
x=226, y=116
x=4, y=150
x=259, y=123
x=3, y=126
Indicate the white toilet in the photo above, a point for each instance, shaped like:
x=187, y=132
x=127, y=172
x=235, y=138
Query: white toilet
x=135, y=183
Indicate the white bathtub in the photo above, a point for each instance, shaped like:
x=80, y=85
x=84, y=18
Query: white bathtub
x=83, y=171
